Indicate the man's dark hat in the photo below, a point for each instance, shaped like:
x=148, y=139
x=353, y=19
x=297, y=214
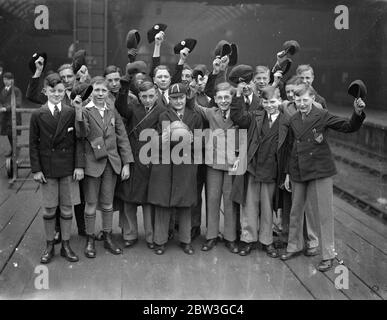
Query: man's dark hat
x=241, y=73
x=155, y=30
x=35, y=56
x=82, y=89
x=187, y=43
x=136, y=67
x=357, y=89
x=233, y=55
x=177, y=89
x=291, y=47
x=79, y=59
x=133, y=39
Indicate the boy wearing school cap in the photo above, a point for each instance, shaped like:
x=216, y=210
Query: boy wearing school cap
x=5, y=107
x=107, y=154
x=255, y=191
x=57, y=163
x=310, y=169
x=173, y=185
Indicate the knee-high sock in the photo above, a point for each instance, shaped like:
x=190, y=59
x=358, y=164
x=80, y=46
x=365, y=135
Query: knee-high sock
x=49, y=223
x=66, y=219
x=107, y=219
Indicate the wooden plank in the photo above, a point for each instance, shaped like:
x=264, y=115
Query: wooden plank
x=377, y=225
x=363, y=231
x=304, y=268
x=25, y=207
x=363, y=260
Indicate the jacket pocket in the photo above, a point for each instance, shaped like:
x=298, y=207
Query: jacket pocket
x=99, y=148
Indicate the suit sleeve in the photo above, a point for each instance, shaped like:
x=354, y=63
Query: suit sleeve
x=80, y=153
x=238, y=115
x=123, y=107
x=155, y=63
x=176, y=78
x=82, y=127
x=34, y=91
x=34, y=146
x=123, y=143
x=344, y=125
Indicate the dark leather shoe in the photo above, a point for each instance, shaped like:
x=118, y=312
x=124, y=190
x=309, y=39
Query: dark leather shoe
x=232, y=246
x=109, y=244
x=130, y=243
x=48, y=253
x=310, y=252
x=99, y=236
x=271, y=251
x=67, y=252
x=57, y=238
x=90, y=247
x=159, y=249
x=220, y=237
x=187, y=248
x=150, y=245
x=245, y=249
x=209, y=244
x=195, y=232
x=289, y=255
x=325, y=265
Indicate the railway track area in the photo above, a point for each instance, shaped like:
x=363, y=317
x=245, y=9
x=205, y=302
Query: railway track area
x=361, y=178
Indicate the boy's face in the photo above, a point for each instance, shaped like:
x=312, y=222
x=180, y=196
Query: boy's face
x=178, y=103
x=113, y=81
x=271, y=105
x=99, y=94
x=68, y=78
x=304, y=102
x=248, y=89
x=162, y=79
x=8, y=82
x=186, y=76
x=289, y=88
x=307, y=77
x=261, y=80
x=223, y=99
x=55, y=94
x=148, y=98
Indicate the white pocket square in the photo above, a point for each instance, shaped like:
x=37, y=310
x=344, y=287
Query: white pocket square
x=70, y=129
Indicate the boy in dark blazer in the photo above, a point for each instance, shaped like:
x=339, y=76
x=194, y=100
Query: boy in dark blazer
x=57, y=163
x=107, y=154
x=255, y=191
x=133, y=192
x=310, y=169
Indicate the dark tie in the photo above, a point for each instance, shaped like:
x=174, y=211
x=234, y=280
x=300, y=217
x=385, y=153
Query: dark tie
x=180, y=115
x=56, y=112
x=303, y=116
x=270, y=121
x=224, y=115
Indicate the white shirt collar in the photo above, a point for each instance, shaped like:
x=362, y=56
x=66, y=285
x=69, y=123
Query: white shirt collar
x=51, y=106
x=100, y=110
x=250, y=97
x=273, y=116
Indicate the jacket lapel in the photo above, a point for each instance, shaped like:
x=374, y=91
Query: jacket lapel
x=309, y=121
x=282, y=130
x=64, y=117
x=94, y=113
x=47, y=117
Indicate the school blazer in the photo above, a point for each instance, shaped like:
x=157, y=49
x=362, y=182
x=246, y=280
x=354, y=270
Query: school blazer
x=54, y=147
x=112, y=131
x=310, y=156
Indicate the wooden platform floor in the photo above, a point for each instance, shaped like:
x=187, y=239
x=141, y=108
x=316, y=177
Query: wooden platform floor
x=361, y=241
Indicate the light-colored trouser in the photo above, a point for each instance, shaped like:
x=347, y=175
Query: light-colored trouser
x=162, y=218
x=128, y=221
x=319, y=193
x=259, y=199
x=219, y=183
x=310, y=224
